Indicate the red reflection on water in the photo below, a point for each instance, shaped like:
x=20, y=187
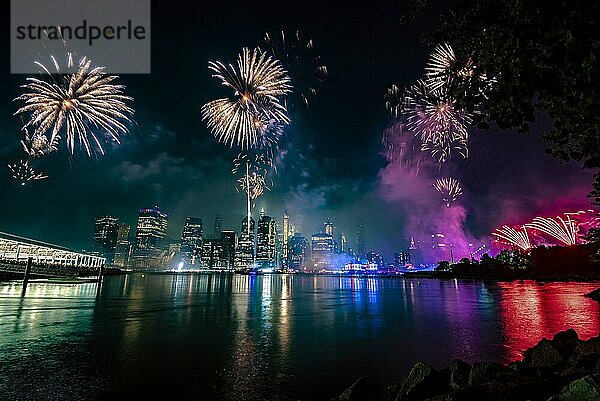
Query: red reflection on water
x=530, y=311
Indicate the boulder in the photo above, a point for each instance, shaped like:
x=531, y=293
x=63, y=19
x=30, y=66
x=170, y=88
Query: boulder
x=543, y=355
x=586, y=388
x=595, y=295
x=422, y=382
x=480, y=392
x=488, y=372
x=364, y=389
x=458, y=374
x=584, y=359
x=565, y=342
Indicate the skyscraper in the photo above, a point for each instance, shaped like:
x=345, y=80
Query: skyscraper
x=298, y=252
x=123, y=247
x=106, y=229
x=328, y=227
x=343, y=243
x=191, y=240
x=149, y=238
x=212, y=254
x=229, y=239
x=266, y=236
x=322, y=247
x=285, y=236
x=361, y=247
x=244, y=255
x=218, y=227
x=402, y=259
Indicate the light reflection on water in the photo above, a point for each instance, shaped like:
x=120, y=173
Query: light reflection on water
x=223, y=337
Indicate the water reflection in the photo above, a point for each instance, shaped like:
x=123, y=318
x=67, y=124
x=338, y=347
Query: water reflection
x=529, y=311
x=230, y=337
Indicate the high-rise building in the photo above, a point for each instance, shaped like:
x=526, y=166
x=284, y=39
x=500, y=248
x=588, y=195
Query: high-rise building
x=343, y=243
x=376, y=259
x=218, y=227
x=285, y=236
x=213, y=254
x=402, y=259
x=244, y=255
x=106, y=230
x=361, y=247
x=298, y=252
x=328, y=225
x=266, y=237
x=150, y=236
x=229, y=239
x=123, y=247
x=191, y=240
x=322, y=250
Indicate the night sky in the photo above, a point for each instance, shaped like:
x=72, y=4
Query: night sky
x=334, y=162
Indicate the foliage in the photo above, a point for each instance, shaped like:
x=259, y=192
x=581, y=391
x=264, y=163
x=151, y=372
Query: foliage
x=543, y=59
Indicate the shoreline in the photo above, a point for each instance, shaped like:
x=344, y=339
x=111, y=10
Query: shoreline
x=564, y=368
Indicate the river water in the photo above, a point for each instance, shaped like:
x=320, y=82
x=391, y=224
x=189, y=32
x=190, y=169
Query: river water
x=271, y=337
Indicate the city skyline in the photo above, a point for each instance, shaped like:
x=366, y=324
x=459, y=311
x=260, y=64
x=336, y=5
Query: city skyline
x=333, y=161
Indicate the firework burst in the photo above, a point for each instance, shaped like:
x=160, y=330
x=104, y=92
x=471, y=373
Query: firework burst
x=298, y=57
x=449, y=188
x=37, y=145
x=254, y=110
x=432, y=115
x=513, y=237
x=23, y=173
x=564, y=230
x=394, y=101
x=85, y=104
x=444, y=68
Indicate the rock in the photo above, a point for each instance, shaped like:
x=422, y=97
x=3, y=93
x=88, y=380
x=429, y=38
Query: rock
x=364, y=389
x=565, y=342
x=542, y=355
x=422, y=382
x=458, y=372
x=584, y=359
x=587, y=388
x=595, y=295
x=481, y=392
x=487, y=372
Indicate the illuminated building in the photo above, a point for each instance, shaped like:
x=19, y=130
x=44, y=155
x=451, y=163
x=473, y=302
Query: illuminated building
x=218, y=227
x=149, y=250
x=244, y=254
x=298, y=252
x=106, y=229
x=213, y=254
x=191, y=240
x=361, y=247
x=229, y=239
x=360, y=266
x=343, y=243
x=285, y=237
x=376, y=259
x=123, y=246
x=402, y=259
x=17, y=250
x=266, y=235
x=328, y=227
x=322, y=249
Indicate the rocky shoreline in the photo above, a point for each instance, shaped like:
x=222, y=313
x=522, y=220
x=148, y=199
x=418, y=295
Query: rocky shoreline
x=565, y=368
